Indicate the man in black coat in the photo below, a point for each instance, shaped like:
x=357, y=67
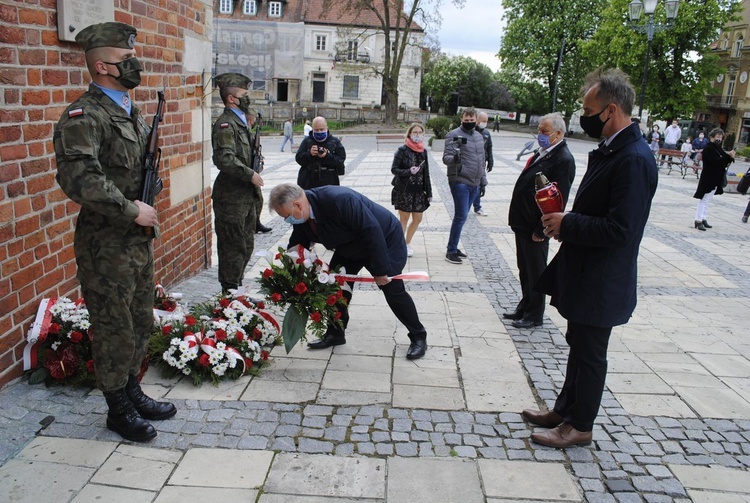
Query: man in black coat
x=321, y=157
x=555, y=161
x=592, y=279
x=363, y=234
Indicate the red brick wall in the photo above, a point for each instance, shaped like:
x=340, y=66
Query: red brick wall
x=39, y=77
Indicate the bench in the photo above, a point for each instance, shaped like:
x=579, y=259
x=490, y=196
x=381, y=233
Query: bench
x=392, y=141
x=673, y=158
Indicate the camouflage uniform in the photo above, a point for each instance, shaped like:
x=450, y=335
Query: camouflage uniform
x=236, y=200
x=99, y=150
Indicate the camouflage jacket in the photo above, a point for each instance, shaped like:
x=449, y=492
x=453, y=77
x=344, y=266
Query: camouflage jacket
x=233, y=156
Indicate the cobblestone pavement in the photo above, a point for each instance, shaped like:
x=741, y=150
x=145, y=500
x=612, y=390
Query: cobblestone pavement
x=673, y=424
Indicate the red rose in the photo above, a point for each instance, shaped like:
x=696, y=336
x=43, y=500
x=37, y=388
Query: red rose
x=217, y=311
x=261, y=305
x=257, y=334
x=166, y=330
x=268, y=273
x=221, y=335
x=90, y=366
x=315, y=317
x=224, y=302
x=76, y=337
x=337, y=316
x=331, y=300
x=54, y=329
x=190, y=320
x=239, y=335
x=339, y=294
x=300, y=288
x=277, y=256
x=264, y=355
x=248, y=362
x=204, y=360
x=275, y=297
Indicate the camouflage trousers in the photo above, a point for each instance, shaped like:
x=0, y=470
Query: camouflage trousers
x=120, y=304
x=235, y=239
x=258, y=203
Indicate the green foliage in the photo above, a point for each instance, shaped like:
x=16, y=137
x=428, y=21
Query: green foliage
x=530, y=97
x=745, y=152
x=440, y=126
x=462, y=81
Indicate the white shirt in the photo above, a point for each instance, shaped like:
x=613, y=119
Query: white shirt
x=308, y=128
x=672, y=134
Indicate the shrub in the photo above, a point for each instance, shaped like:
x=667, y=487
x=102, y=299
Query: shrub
x=745, y=152
x=440, y=126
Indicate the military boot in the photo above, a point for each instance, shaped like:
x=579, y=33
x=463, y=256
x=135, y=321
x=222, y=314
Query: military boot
x=124, y=420
x=146, y=406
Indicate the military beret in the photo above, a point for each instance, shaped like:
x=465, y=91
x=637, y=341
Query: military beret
x=107, y=35
x=232, y=80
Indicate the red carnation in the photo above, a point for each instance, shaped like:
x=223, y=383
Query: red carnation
x=190, y=320
x=339, y=294
x=257, y=334
x=331, y=300
x=264, y=355
x=166, y=330
x=268, y=273
x=239, y=335
x=90, y=366
x=261, y=305
x=337, y=316
x=221, y=335
x=315, y=317
x=340, y=280
x=277, y=256
x=54, y=329
x=300, y=288
x=248, y=362
x=204, y=360
x=275, y=297
x=224, y=302
x=76, y=337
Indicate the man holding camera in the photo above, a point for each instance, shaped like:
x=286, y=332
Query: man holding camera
x=464, y=156
x=321, y=157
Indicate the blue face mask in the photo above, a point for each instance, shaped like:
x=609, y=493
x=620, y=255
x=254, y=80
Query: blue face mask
x=291, y=219
x=543, y=140
x=320, y=136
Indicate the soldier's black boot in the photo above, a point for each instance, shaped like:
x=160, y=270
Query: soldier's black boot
x=146, y=406
x=124, y=420
x=259, y=227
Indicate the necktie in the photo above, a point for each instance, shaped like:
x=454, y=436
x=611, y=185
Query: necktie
x=531, y=160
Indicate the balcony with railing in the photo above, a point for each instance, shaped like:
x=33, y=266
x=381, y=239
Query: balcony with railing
x=721, y=101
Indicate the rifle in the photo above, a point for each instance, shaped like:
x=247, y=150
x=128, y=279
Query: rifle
x=152, y=184
x=257, y=162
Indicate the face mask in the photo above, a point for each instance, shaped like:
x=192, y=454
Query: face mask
x=417, y=138
x=244, y=103
x=320, y=136
x=468, y=125
x=291, y=219
x=130, y=72
x=718, y=142
x=482, y=125
x=592, y=125
x=543, y=140
x=701, y=137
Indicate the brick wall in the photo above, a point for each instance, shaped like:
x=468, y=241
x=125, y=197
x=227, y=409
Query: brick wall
x=39, y=77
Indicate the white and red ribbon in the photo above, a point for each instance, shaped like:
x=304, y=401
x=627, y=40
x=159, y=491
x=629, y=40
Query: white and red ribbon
x=407, y=276
x=40, y=326
x=208, y=346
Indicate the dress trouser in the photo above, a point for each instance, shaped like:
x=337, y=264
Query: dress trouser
x=531, y=258
x=396, y=296
x=581, y=394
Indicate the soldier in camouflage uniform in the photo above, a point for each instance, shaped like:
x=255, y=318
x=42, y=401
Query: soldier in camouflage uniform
x=236, y=194
x=100, y=143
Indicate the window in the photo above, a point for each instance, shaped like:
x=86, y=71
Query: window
x=236, y=42
x=729, y=98
x=351, y=86
x=351, y=50
x=274, y=9
x=320, y=42
x=737, y=47
x=225, y=6
x=725, y=43
x=250, y=7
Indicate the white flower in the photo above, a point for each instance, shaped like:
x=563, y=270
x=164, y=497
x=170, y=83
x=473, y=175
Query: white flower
x=56, y=345
x=323, y=278
x=187, y=371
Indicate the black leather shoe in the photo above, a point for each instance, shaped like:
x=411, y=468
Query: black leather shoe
x=124, y=420
x=417, y=349
x=147, y=407
x=526, y=323
x=327, y=341
x=515, y=315
x=699, y=225
x=705, y=224
x=461, y=254
x=259, y=227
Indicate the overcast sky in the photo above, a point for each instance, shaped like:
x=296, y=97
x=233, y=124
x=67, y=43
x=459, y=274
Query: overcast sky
x=473, y=31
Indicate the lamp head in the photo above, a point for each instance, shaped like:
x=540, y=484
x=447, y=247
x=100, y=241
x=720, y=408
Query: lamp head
x=650, y=6
x=672, y=6
x=635, y=10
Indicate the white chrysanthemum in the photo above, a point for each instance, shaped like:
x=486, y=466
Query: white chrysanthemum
x=229, y=312
x=56, y=345
x=220, y=369
x=83, y=325
x=221, y=346
x=187, y=371
x=184, y=346
x=174, y=341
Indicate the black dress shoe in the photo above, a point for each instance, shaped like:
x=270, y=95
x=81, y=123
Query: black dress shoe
x=417, y=349
x=259, y=227
x=526, y=323
x=515, y=315
x=327, y=341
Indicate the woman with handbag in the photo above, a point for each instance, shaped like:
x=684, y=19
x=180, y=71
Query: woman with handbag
x=713, y=176
x=412, y=190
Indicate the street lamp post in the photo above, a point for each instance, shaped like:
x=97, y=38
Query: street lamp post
x=635, y=10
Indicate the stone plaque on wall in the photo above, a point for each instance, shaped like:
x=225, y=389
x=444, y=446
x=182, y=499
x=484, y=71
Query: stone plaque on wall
x=75, y=15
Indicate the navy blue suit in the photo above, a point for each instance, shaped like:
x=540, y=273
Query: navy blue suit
x=362, y=234
x=592, y=279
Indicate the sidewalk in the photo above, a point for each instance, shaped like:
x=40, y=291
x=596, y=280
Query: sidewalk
x=361, y=423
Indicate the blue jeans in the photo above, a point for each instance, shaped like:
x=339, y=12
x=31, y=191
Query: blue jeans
x=463, y=197
x=477, y=203
x=290, y=139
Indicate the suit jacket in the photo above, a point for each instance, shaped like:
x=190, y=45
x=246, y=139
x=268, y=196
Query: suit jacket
x=592, y=279
x=524, y=216
x=356, y=227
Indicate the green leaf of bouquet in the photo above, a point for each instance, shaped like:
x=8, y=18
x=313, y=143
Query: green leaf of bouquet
x=39, y=375
x=293, y=328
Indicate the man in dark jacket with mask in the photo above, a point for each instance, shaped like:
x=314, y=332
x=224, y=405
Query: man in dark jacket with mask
x=237, y=187
x=363, y=234
x=592, y=279
x=321, y=157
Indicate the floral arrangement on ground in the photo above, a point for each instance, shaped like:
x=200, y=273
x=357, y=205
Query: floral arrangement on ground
x=298, y=280
x=226, y=337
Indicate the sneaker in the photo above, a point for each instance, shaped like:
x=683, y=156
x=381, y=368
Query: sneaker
x=453, y=258
x=461, y=254
x=409, y=251
x=480, y=212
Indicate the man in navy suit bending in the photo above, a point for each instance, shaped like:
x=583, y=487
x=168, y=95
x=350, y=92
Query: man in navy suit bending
x=592, y=279
x=363, y=234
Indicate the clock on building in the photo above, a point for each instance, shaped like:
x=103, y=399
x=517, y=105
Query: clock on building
x=720, y=77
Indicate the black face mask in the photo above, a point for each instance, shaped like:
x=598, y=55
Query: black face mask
x=592, y=125
x=130, y=72
x=718, y=142
x=468, y=126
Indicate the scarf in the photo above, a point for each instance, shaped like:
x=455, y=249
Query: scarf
x=416, y=147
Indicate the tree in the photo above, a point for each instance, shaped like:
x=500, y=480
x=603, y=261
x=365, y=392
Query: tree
x=682, y=66
x=529, y=96
x=462, y=81
x=536, y=34
x=396, y=21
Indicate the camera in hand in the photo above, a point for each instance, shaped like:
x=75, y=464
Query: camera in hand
x=322, y=151
x=459, y=140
